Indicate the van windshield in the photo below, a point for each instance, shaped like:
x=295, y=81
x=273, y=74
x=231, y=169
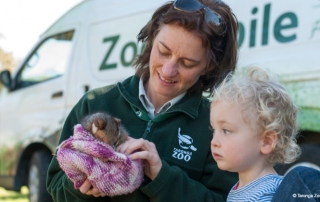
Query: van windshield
x=48, y=60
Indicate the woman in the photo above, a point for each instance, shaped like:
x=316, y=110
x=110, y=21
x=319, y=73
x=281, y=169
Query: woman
x=190, y=47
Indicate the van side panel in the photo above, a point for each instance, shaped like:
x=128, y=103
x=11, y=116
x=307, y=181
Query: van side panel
x=284, y=38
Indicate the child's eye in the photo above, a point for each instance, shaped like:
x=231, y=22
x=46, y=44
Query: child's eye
x=212, y=129
x=226, y=131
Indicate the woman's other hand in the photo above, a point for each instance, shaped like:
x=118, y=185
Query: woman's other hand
x=143, y=149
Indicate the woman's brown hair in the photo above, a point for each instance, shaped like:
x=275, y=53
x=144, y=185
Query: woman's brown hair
x=219, y=40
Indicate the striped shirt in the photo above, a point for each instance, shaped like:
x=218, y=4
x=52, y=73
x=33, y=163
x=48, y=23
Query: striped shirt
x=261, y=189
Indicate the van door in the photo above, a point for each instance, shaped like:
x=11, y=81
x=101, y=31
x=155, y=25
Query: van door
x=34, y=109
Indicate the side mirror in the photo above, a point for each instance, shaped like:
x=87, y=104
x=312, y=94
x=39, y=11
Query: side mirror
x=5, y=78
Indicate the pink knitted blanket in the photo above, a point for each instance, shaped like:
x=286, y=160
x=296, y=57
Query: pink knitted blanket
x=112, y=173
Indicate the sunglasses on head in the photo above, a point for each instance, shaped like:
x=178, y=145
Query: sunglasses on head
x=194, y=6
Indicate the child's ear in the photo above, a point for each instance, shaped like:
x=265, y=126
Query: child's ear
x=268, y=141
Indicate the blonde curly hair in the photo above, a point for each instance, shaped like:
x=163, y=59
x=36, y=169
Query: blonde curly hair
x=267, y=106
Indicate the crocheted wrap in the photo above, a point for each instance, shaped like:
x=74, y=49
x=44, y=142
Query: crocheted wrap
x=82, y=156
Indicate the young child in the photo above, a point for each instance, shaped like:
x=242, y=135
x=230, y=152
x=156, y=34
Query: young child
x=254, y=124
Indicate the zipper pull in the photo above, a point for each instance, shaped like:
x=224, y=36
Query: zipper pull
x=146, y=132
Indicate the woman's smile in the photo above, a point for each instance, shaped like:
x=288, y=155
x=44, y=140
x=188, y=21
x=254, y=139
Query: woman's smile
x=167, y=81
x=177, y=61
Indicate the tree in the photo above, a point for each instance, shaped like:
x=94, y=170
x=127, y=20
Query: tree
x=6, y=59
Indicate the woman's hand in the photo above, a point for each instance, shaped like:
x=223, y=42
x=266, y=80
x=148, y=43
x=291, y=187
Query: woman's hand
x=143, y=149
x=86, y=188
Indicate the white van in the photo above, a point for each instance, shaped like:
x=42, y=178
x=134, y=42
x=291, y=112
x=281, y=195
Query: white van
x=95, y=43
x=92, y=45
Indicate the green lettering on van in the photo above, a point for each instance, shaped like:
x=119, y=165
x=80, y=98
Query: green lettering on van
x=133, y=45
x=241, y=34
x=104, y=64
x=265, y=30
x=316, y=28
x=278, y=27
x=253, y=29
x=285, y=21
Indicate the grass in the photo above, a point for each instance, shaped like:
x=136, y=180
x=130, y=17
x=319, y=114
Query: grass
x=12, y=196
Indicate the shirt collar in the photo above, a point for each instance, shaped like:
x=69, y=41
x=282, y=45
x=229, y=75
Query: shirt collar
x=150, y=107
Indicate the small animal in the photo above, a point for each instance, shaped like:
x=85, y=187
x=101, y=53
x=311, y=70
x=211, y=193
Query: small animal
x=105, y=127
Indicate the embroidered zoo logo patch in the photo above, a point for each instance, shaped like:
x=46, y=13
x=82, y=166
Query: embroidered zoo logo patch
x=185, y=142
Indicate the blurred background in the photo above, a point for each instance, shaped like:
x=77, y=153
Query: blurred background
x=21, y=26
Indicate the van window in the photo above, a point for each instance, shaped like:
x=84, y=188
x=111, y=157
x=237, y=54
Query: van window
x=48, y=60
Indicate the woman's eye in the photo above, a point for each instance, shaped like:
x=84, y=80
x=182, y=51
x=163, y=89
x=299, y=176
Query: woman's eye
x=187, y=64
x=164, y=53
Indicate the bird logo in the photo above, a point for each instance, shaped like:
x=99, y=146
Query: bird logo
x=185, y=141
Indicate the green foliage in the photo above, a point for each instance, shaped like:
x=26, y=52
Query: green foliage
x=12, y=196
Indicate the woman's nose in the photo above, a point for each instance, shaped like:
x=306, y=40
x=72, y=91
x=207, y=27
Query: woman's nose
x=170, y=68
